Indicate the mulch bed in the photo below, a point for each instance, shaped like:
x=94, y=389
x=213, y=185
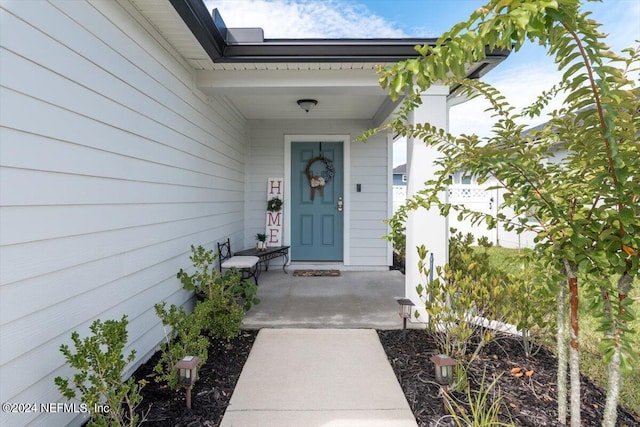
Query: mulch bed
x=210, y=395
x=528, y=401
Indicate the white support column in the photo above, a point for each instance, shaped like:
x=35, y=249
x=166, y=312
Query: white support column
x=425, y=227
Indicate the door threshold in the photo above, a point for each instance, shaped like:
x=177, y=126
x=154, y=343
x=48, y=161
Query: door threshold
x=315, y=265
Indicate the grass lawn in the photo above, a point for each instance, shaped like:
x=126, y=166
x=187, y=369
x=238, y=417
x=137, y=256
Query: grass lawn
x=591, y=362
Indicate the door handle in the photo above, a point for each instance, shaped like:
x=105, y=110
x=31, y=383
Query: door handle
x=340, y=204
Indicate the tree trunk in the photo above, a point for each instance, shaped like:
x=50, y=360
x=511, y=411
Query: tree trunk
x=614, y=380
x=574, y=347
x=562, y=356
x=574, y=369
x=613, y=390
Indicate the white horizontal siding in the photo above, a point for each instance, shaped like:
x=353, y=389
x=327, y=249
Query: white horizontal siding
x=111, y=164
x=368, y=166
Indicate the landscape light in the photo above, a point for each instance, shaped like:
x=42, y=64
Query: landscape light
x=405, y=306
x=188, y=371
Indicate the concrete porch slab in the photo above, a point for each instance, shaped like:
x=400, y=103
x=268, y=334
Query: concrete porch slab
x=318, y=377
x=355, y=299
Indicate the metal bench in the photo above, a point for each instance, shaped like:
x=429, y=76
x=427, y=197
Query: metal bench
x=247, y=265
x=267, y=255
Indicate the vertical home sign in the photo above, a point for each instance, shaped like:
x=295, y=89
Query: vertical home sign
x=275, y=189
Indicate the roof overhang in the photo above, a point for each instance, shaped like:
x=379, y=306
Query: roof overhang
x=263, y=78
x=225, y=45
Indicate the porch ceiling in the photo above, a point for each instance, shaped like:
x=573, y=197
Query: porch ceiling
x=270, y=91
x=273, y=107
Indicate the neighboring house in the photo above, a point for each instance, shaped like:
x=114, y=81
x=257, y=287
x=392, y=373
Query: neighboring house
x=400, y=175
x=399, y=186
x=131, y=129
x=465, y=190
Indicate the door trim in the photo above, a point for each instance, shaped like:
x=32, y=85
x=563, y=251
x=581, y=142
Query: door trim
x=346, y=150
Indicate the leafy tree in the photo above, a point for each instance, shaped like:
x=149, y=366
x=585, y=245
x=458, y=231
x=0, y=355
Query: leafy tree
x=586, y=206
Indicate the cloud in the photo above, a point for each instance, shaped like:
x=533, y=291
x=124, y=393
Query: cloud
x=525, y=74
x=306, y=19
x=620, y=21
x=520, y=79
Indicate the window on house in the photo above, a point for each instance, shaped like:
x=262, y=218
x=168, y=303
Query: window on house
x=462, y=178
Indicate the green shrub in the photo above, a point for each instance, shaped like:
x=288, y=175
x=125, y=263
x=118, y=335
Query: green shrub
x=98, y=383
x=206, y=280
x=399, y=240
x=219, y=315
x=529, y=300
x=183, y=337
x=514, y=291
x=231, y=285
x=467, y=293
x=203, y=261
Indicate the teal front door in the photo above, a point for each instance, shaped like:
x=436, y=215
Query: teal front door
x=317, y=176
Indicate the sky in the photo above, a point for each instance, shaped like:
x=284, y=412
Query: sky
x=521, y=77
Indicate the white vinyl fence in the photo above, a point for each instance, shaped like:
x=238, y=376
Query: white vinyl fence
x=399, y=196
x=478, y=199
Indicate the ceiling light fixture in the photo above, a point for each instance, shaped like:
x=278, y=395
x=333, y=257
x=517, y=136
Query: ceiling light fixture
x=307, y=104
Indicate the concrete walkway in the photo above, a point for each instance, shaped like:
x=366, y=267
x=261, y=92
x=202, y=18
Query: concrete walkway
x=355, y=299
x=318, y=377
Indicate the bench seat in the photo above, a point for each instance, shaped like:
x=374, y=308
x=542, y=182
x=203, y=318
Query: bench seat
x=247, y=265
x=241, y=262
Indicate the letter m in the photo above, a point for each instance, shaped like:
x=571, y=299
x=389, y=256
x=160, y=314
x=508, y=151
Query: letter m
x=273, y=218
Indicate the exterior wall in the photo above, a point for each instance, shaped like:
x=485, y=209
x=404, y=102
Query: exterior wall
x=400, y=179
x=425, y=227
x=369, y=165
x=112, y=164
